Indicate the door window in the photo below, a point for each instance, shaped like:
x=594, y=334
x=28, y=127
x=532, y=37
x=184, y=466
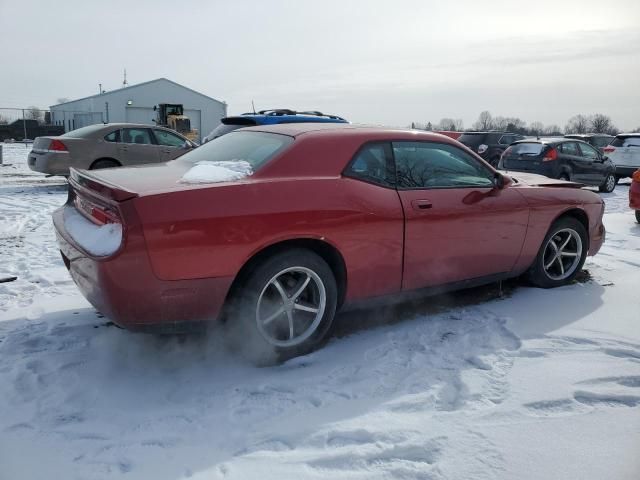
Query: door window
x=589, y=152
x=140, y=136
x=422, y=165
x=570, y=148
x=373, y=164
x=168, y=139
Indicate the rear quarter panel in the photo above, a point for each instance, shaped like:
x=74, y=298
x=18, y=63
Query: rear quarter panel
x=213, y=231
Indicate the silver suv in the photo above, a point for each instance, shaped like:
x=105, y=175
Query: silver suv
x=624, y=151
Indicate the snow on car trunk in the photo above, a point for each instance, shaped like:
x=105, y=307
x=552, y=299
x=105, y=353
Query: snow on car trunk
x=98, y=240
x=216, y=172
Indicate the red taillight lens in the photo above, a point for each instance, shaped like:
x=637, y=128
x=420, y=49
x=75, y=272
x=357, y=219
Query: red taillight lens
x=608, y=149
x=636, y=176
x=96, y=213
x=57, y=146
x=551, y=155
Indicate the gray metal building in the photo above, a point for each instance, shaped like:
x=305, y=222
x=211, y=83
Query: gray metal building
x=135, y=104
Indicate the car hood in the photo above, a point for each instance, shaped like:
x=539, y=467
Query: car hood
x=535, y=180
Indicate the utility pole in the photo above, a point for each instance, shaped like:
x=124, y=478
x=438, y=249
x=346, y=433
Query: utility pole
x=106, y=107
x=24, y=126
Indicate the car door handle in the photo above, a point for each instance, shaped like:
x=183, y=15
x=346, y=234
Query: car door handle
x=421, y=204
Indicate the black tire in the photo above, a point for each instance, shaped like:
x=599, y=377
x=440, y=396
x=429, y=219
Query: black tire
x=564, y=176
x=98, y=164
x=258, y=297
x=638, y=216
x=609, y=183
x=540, y=276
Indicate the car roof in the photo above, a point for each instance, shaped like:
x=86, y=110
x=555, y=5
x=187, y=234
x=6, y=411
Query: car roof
x=627, y=135
x=500, y=132
x=587, y=135
x=346, y=129
x=548, y=140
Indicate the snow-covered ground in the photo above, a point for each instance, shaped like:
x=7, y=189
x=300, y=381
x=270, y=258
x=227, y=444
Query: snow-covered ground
x=536, y=384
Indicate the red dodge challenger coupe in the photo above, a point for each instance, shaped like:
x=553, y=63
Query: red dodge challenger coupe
x=278, y=227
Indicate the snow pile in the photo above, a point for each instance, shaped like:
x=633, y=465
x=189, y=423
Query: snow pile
x=99, y=240
x=215, y=172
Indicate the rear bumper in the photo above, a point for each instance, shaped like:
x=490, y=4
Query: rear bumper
x=49, y=163
x=124, y=288
x=634, y=196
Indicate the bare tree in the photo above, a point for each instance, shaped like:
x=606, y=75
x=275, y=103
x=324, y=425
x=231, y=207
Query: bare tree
x=485, y=121
x=452, y=124
x=536, y=128
x=602, y=124
x=428, y=127
x=577, y=124
x=500, y=123
x=552, y=130
x=34, y=113
x=62, y=100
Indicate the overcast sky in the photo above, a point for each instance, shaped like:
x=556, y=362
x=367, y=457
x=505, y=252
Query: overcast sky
x=373, y=61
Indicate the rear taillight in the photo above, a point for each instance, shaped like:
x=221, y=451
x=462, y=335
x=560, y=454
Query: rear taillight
x=57, y=146
x=96, y=213
x=482, y=148
x=551, y=155
x=608, y=149
x=636, y=176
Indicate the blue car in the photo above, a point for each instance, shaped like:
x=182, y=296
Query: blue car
x=270, y=117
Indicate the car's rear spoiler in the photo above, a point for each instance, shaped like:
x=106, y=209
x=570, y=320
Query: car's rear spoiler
x=84, y=180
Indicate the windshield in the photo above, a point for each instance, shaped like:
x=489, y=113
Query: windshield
x=256, y=148
x=220, y=130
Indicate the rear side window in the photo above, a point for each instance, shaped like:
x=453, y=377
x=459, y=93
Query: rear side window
x=436, y=165
x=526, y=149
x=373, y=164
x=256, y=148
x=601, y=141
x=569, y=148
x=113, y=136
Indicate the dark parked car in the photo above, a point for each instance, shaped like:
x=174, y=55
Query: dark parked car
x=598, y=140
x=561, y=158
x=489, y=145
x=377, y=212
x=270, y=117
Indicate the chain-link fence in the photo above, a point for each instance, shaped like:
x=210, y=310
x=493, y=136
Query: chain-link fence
x=24, y=124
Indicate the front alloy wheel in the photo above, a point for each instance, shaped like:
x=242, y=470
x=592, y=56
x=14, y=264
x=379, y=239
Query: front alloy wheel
x=561, y=254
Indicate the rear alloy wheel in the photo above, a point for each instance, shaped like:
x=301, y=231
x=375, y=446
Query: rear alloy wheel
x=561, y=255
x=104, y=164
x=609, y=184
x=288, y=305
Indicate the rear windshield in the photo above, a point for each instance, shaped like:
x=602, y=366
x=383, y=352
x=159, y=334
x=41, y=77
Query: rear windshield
x=84, y=131
x=625, y=141
x=255, y=148
x=526, y=149
x=472, y=139
x=601, y=141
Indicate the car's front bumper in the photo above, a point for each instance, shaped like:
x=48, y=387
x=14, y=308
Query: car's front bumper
x=124, y=288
